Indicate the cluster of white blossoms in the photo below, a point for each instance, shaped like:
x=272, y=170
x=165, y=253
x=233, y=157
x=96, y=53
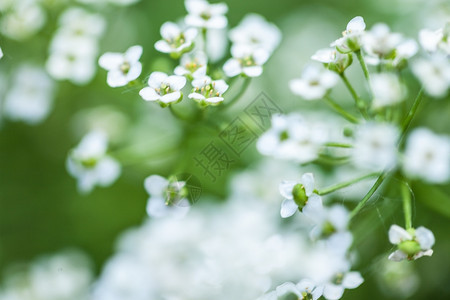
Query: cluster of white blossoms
x=89, y=163
x=21, y=19
x=74, y=48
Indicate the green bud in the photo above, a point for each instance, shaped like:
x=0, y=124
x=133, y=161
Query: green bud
x=300, y=197
x=409, y=247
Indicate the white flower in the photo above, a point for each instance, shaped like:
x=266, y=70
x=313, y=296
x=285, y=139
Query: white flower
x=412, y=243
x=314, y=83
x=346, y=280
x=387, y=90
x=375, y=146
x=207, y=91
x=192, y=64
x=407, y=49
x=380, y=42
x=31, y=96
x=245, y=60
x=256, y=32
x=352, y=36
x=299, y=195
x=304, y=290
x=433, y=41
x=122, y=68
x=167, y=197
x=163, y=88
x=175, y=40
x=427, y=156
x=329, y=221
x=434, y=74
x=22, y=20
x=333, y=59
x=90, y=165
x=205, y=15
x=79, y=22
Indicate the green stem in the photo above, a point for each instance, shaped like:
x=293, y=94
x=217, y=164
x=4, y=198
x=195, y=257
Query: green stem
x=344, y=184
x=369, y=194
x=363, y=64
x=359, y=103
x=406, y=195
x=339, y=109
x=178, y=115
x=244, y=87
x=412, y=112
x=338, y=145
x=332, y=160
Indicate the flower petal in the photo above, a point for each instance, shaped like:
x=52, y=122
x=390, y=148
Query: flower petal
x=397, y=256
x=149, y=94
x=176, y=82
x=156, y=79
x=356, y=24
x=156, y=207
x=288, y=208
x=170, y=30
x=333, y=292
x=398, y=234
x=308, y=183
x=133, y=54
x=171, y=97
x=286, y=187
x=155, y=185
x=110, y=61
x=352, y=280
x=425, y=238
x=286, y=289
x=116, y=78
x=253, y=71
x=232, y=67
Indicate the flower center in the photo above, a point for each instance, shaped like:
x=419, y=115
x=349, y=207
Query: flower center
x=284, y=135
x=89, y=163
x=247, y=61
x=205, y=15
x=175, y=193
x=125, y=67
x=299, y=194
x=208, y=91
x=192, y=66
x=338, y=278
x=409, y=247
x=164, y=89
x=177, y=41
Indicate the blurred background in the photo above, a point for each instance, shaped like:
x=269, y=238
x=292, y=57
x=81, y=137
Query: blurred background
x=41, y=211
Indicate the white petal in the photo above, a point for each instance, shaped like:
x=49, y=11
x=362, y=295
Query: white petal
x=356, y=24
x=110, y=61
x=260, y=56
x=134, y=71
x=221, y=86
x=196, y=96
x=232, y=67
x=176, y=82
x=429, y=252
x=286, y=187
x=313, y=207
x=397, y=256
x=108, y=170
x=253, y=71
x=308, y=183
x=306, y=285
x=338, y=216
x=286, y=289
x=352, y=280
x=190, y=34
x=324, y=55
x=133, y=54
x=333, y=292
x=201, y=81
x=116, y=78
x=425, y=238
x=156, y=207
x=288, y=208
x=398, y=234
x=163, y=46
x=171, y=97
x=156, y=79
x=180, y=71
x=155, y=185
x=219, y=8
x=149, y=94
x=170, y=30
x=214, y=99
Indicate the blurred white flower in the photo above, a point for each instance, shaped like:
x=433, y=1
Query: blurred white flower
x=31, y=97
x=167, y=197
x=256, y=32
x=346, y=280
x=89, y=163
x=375, y=146
x=192, y=64
x=380, y=43
x=434, y=40
x=207, y=91
x=175, y=40
x=434, y=74
x=427, y=156
x=404, y=51
x=163, y=88
x=205, y=15
x=412, y=243
x=22, y=19
x=314, y=83
x=333, y=59
x=330, y=221
x=299, y=196
x=245, y=60
x=352, y=36
x=122, y=68
x=387, y=90
x=76, y=21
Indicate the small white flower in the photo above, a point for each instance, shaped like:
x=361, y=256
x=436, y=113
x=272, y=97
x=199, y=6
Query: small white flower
x=329, y=221
x=175, y=40
x=333, y=59
x=346, y=280
x=167, y=197
x=205, y=15
x=122, y=68
x=22, y=20
x=256, y=32
x=433, y=41
x=207, y=91
x=380, y=42
x=375, y=146
x=192, y=64
x=163, y=88
x=299, y=195
x=434, y=74
x=90, y=164
x=387, y=90
x=246, y=60
x=352, y=36
x=76, y=21
x=304, y=290
x=427, y=156
x=407, y=49
x=412, y=243
x=314, y=83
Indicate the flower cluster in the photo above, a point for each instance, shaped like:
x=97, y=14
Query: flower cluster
x=21, y=19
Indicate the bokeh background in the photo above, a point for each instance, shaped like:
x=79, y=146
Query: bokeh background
x=41, y=211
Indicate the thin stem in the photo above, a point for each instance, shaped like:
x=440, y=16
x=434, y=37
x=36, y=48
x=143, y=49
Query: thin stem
x=332, y=160
x=359, y=103
x=339, y=109
x=244, y=87
x=412, y=112
x=406, y=195
x=338, y=145
x=363, y=64
x=369, y=194
x=344, y=184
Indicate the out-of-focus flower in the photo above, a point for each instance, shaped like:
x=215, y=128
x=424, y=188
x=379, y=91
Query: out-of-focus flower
x=192, y=64
x=299, y=196
x=333, y=59
x=207, y=91
x=412, y=243
x=246, y=61
x=205, y=15
x=434, y=40
x=375, y=146
x=89, y=163
x=175, y=40
x=345, y=280
x=163, y=88
x=387, y=90
x=380, y=43
x=407, y=49
x=256, y=32
x=304, y=290
x=22, y=19
x=167, y=197
x=329, y=221
x=314, y=83
x=31, y=96
x=76, y=21
x=352, y=36
x=434, y=74
x=427, y=156
x=122, y=68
